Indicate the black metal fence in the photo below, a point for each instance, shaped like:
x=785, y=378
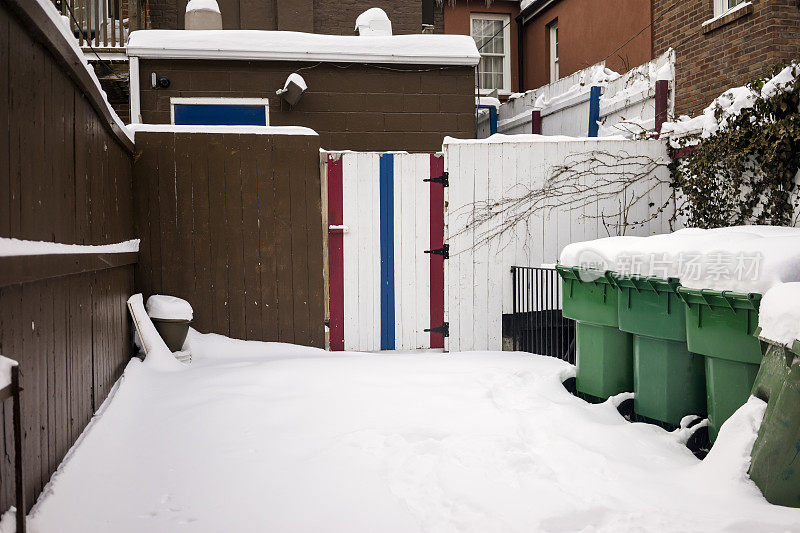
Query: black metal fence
x=536, y=324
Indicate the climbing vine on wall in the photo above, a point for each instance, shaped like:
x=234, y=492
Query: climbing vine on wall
x=746, y=172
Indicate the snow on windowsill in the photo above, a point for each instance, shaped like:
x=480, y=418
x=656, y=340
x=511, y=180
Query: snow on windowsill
x=241, y=130
x=721, y=16
x=18, y=247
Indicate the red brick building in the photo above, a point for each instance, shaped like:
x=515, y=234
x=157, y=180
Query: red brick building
x=721, y=44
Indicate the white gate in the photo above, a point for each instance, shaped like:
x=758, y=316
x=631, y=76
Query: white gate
x=386, y=292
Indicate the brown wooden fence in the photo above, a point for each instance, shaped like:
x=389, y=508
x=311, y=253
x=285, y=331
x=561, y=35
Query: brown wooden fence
x=65, y=177
x=233, y=224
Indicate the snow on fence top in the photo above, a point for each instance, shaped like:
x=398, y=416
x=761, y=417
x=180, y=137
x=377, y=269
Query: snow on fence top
x=240, y=130
x=17, y=247
x=63, y=25
x=741, y=259
x=531, y=138
x=779, y=315
x=295, y=46
x=728, y=106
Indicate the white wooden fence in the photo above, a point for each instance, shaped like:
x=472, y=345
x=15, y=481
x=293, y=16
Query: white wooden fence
x=627, y=103
x=478, y=283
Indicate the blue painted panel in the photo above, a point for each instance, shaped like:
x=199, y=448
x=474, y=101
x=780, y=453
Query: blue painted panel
x=220, y=115
x=387, y=251
x=594, y=111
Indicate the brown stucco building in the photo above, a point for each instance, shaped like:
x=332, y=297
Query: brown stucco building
x=313, y=16
x=460, y=17
x=714, y=54
x=408, y=95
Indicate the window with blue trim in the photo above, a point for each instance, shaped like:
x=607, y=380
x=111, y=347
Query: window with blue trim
x=220, y=114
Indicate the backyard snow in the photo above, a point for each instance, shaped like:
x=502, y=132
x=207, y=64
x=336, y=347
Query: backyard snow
x=273, y=437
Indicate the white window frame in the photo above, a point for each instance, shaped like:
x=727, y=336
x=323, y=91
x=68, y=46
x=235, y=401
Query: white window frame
x=720, y=7
x=505, y=20
x=217, y=101
x=552, y=33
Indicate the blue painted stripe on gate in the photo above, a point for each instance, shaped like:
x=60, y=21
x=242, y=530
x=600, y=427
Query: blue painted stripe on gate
x=387, y=251
x=594, y=111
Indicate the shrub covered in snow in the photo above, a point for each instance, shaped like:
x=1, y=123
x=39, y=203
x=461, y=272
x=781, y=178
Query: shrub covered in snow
x=745, y=155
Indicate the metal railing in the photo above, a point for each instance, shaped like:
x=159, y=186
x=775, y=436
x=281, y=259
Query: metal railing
x=537, y=325
x=101, y=24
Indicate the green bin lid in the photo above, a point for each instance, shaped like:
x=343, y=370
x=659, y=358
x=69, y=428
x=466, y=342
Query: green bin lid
x=646, y=283
x=720, y=299
x=585, y=275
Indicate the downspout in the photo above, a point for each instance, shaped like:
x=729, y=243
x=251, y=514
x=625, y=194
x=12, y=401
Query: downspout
x=520, y=53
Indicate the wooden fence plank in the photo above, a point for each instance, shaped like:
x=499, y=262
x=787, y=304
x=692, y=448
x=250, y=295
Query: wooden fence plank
x=235, y=237
x=268, y=245
x=252, y=246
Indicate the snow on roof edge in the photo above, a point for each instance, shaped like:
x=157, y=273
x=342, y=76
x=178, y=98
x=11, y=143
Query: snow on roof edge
x=249, y=130
x=420, y=49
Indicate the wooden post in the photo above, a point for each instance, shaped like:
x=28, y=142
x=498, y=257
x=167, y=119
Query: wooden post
x=662, y=93
x=536, y=122
x=134, y=22
x=594, y=111
x=16, y=390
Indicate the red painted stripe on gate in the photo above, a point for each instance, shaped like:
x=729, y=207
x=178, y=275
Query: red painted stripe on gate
x=336, y=253
x=437, y=241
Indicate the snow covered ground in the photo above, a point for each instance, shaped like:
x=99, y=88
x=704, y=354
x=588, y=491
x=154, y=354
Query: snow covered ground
x=270, y=437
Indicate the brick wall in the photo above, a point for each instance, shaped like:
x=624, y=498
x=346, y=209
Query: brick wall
x=357, y=108
x=337, y=18
x=726, y=54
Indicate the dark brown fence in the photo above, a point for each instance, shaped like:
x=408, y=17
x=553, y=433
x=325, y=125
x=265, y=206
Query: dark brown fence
x=233, y=224
x=65, y=177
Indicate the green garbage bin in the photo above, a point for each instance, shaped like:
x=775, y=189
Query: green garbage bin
x=721, y=326
x=773, y=465
x=604, y=354
x=669, y=381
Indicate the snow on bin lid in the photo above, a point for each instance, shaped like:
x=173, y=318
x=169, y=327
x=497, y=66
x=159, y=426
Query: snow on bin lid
x=168, y=308
x=779, y=315
x=421, y=49
x=739, y=259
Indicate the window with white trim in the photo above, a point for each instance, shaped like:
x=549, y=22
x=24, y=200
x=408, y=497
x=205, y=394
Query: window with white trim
x=723, y=6
x=219, y=111
x=492, y=36
x=554, y=70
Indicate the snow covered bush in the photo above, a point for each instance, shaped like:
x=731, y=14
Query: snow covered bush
x=743, y=167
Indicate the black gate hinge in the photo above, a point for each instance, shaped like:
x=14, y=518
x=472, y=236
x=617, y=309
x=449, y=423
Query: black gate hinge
x=444, y=329
x=444, y=251
x=444, y=179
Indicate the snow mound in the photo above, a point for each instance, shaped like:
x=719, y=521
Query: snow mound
x=729, y=459
x=740, y=258
x=199, y=5
x=168, y=308
x=779, y=315
x=373, y=21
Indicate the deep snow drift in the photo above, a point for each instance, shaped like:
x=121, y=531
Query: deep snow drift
x=269, y=437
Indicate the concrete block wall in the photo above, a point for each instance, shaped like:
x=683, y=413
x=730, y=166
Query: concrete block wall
x=397, y=107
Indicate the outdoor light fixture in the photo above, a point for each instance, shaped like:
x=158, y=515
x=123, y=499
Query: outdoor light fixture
x=159, y=82
x=293, y=89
